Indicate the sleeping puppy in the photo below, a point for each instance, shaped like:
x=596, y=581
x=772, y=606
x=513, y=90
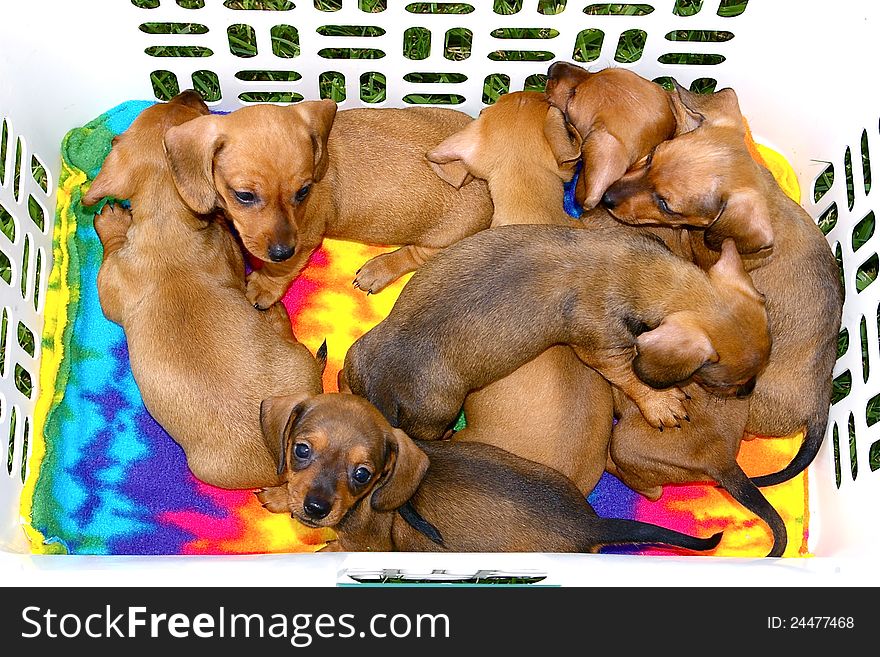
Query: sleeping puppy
x=642, y=317
x=201, y=355
x=345, y=467
x=705, y=179
x=620, y=115
x=520, y=146
x=289, y=176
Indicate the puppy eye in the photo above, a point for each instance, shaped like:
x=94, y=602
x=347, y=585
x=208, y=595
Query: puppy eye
x=361, y=475
x=302, y=193
x=664, y=206
x=302, y=451
x=245, y=197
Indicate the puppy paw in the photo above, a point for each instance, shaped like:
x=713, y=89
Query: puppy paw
x=273, y=499
x=112, y=222
x=261, y=293
x=375, y=275
x=664, y=408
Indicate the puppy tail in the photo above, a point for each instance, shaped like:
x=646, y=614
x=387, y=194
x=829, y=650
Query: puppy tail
x=744, y=491
x=813, y=438
x=321, y=355
x=620, y=531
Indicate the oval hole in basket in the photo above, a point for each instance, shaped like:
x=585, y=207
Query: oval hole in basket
x=328, y=5
x=853, y=451
x=842, y=342
x=691, y=58
x=848, y=174
x=4, y=324
x=4, y=148
x=417, y=43
x=25, y=257
x=874, y=454
x=23, y=381
x=173, y=28
x=863, y=231
x=268, y=76
x=536, y=82
x=207, y=84
x=191, y=4
x=732, y=8
x=242, y=40
x=5, y=271
x=165, y=85
x=617, y=9
x=36, y=212
x=835, y=444
x=261, y=5
x=178, y=51
x=285, y=41
x=10, y=452
x=521, y=56
x=373, y=6
x=704, y=85
x=270, y=97
x=588, y=45
x=26, y=339
x=439, y=8
x=350, y=31
x=372, y=87
x=687, y=7
x=866, y=162
x=525, y=33
x=494, y=86
x=823, y=182
x=457, y=43
x=630, y=46
x=710, y=36
x=145, y=4
x=16, y=171
x=866, y=274
x=351, y=53
x=872, y=414
x=40, y=174
x=551, y=7
x=433, y=99
x=25, y=442
x=866, y=365
x=7, y=223
x=435, y=78
x=838, y=258
x=507, y=7
x=38, y=273
x=331, y=84
x=841, y=387
x=665, y=81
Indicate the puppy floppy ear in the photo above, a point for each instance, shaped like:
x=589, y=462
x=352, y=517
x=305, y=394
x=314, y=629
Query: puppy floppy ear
x=719, y=109
x=562, y=78
x=449, y=158
x=606, y=159
x=673, y=351
x=277, y=415
x=406, y=466
x=730, y=269
x=684, y=108
x=190, y=149
x=112, y=181
x=564, y=139
x=746, y=219
x=319, y=116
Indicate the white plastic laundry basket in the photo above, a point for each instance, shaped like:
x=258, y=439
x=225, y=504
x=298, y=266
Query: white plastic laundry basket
x=805, y=73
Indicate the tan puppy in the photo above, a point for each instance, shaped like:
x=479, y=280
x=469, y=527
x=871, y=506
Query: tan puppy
x=641, y=316
x=202, y=357
x=286, y=181
x=345, y=467
x=705, y=178
x=621, y=116
x=521, y=147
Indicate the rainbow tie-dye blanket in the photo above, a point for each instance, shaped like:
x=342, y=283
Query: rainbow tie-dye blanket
x=106, y=479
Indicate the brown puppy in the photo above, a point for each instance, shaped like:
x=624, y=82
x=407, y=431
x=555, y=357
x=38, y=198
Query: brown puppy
x=287, y=180
x=347, y=468
x=705, y=178
x=202, y=357
x=621, y=116
x=521, y=147
x=641, y=316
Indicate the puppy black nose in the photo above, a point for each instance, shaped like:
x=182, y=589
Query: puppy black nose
x=280, y=252
x=315, y=507
x=608, y=201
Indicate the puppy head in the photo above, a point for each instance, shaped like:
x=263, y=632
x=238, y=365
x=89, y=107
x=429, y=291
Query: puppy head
x=723, y=346
x=703, y=178
x=521, y=131
x=257, y=164
x=136, y=156
x=621, y=115
x=336, y=450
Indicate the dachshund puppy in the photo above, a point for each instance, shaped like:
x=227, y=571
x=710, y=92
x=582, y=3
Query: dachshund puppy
x=705, y=179
x=345, y=467
x=620, y=115
x=202, y=356
x=641, y=316
x=522, y=148
x=289, y=176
